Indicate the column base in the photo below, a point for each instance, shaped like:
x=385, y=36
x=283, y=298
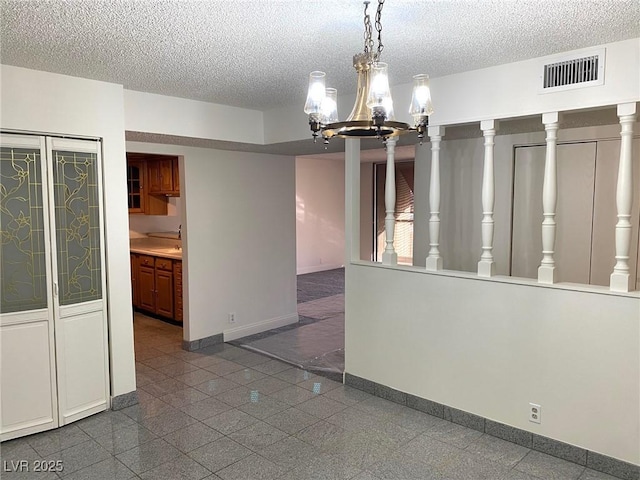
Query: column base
x=433, y=263
x=620, y=282
x=546, y=274
x=486, y=268
x=389, y=258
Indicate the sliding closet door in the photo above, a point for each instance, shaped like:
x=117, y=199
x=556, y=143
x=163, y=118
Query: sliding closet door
x=27, y=358
x=79, y=283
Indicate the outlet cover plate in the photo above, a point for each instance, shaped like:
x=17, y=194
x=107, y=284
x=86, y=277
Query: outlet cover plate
x=535, y=413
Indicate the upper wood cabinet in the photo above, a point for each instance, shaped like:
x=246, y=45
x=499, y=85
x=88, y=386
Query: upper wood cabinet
x=150, y=180
x=135, y=184
x=163, y=176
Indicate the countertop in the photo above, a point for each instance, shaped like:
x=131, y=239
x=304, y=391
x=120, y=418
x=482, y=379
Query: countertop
x=165, y=252
x=158, y=245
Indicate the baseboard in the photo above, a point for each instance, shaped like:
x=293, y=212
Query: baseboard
x=317, y=268
x=581, y=456
x=258, y=327
x=125, y=400
x=191, y=345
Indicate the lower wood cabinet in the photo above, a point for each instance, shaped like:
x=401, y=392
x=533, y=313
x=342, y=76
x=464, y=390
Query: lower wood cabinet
x=135, y=290
x=147, y=286
x=164, y=287
x=154, y=285
x=177, y=288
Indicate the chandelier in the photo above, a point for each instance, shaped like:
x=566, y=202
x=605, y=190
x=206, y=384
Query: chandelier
x=372, y=114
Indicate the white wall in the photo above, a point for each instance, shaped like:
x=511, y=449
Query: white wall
x=512, y=89
x=238, y=240
x=160, y=114
x=319, y=214
x=43, y=102
x=505, y=345
x=140, y=224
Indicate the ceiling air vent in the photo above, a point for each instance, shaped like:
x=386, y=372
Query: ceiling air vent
x=563, y=73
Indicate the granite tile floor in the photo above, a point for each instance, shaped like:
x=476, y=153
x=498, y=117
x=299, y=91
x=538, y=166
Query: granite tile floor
x=227, y=413
x=316, y=343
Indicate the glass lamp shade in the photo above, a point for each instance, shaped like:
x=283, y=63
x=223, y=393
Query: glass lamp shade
x=379, y=92
x=316, y=93
x=330, y=106
x=421, y=105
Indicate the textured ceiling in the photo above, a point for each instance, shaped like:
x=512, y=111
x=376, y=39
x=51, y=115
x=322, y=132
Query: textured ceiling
x=258, y=53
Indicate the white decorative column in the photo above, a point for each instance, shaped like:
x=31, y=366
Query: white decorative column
x=620, y=278
x=486, y=265
x=434, y=260
x=389, y=256
x=547, y=268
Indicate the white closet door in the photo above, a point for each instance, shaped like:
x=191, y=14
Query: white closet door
x=80, y=307
x=576, y=179
x=27, y=354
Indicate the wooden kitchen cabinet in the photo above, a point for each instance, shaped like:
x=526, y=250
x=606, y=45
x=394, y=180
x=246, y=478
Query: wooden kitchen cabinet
x=135, y=290
x=153, y=174
x=135, y=185
x=147, y=283
x=164, y=287
x=139, y=196
x=157, y=285
x=177, y=288
x=176, y=177
x=164, y=178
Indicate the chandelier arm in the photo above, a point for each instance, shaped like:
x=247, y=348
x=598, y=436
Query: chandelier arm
x=379, y=28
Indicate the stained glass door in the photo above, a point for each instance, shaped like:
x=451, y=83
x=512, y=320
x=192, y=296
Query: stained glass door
x=28, y=392
x=79, y=281
x=53, y=320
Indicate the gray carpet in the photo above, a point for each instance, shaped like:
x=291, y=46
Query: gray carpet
x=313, y=286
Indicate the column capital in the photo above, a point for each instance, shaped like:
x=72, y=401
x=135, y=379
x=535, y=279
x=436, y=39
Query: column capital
x=550, y=117
x=489, y=125
x=625, y=109
x=435, y=131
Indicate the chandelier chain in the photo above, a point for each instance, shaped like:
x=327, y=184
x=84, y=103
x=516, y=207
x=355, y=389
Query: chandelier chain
x=368, y=40
x=379, y=28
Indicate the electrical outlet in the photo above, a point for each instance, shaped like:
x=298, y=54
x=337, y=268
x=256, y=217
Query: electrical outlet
x=535, y=413
x=232, y=317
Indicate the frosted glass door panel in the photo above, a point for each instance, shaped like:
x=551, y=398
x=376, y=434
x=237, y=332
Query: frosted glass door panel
x=22, y=250
x=77, y=226
x=576, y=172
x=605, y=211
